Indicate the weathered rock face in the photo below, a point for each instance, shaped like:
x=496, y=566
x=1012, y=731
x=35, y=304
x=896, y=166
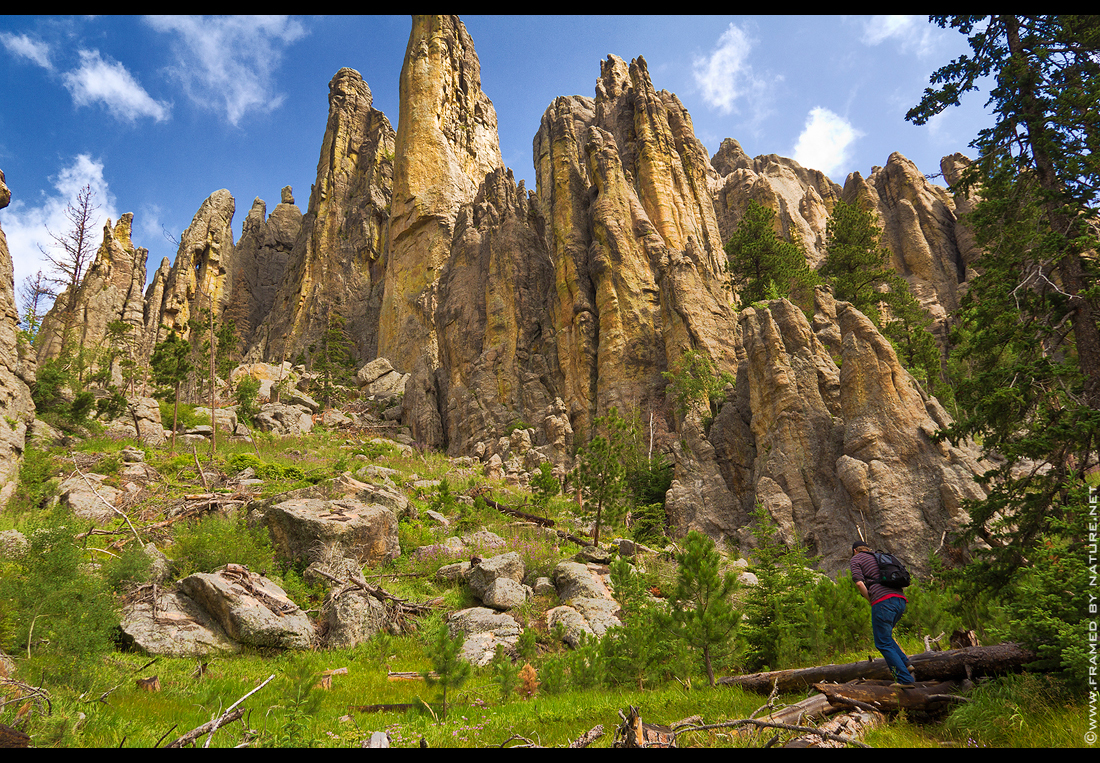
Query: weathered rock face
x=829, y=451
x=623, y=184
x=338, y=260
x=262, y=255
x=918, y=223
x=367, y=532
x=803, y=198
x=204, y=269
x=17, y=366
x=111, y=290
x=446, y=144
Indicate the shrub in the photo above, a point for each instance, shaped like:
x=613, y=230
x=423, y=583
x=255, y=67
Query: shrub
x=246, y=394
x=56, y=603
x=217, y=540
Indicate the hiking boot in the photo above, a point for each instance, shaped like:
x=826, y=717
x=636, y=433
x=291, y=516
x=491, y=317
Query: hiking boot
x=902, y=686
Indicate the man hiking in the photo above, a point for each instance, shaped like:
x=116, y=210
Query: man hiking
x=887, y=607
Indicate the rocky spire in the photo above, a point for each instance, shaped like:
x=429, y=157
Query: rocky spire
x=337, y=258
x=446, y=145
x=625, y=186
x=203, y=267
x=111, y=290
x=17, y=367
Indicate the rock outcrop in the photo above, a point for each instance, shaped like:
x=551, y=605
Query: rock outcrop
x=803, y=198
x=110, y=291
x=832, y=436
x=337, y=263
x=918, y=227
x=17, y=366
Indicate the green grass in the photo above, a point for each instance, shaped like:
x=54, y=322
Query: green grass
x=1015, y=711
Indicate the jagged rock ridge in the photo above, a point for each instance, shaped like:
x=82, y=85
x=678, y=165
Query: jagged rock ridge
x=550, y=308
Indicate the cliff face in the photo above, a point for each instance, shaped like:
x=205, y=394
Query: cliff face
x=336, y=263
x=17, y=365
x=622, y=182
x=111, y=290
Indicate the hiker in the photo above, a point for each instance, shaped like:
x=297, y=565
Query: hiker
x=887, y=607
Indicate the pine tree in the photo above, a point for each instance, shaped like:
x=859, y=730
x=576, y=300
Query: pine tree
x=1028, y=340
x=601, y=470
x=762, y=265
x=171, y=363
x=701, y=610
x=451, y=671
x=857, y=267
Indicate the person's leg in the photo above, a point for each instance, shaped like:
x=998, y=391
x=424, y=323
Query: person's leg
x=884, y=616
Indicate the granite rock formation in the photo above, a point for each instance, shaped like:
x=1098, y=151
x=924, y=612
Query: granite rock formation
x=111, y=290
x=203, y=268
x=832, y=436
x=623, y=184
x=17, y=366
x=336, y=265
x=261, y=254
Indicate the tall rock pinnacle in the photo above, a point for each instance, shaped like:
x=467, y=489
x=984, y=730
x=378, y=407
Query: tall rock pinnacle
x=336, y=264
x=446, y=145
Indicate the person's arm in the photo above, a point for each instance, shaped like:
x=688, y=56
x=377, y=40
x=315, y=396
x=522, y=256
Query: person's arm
x=863, y=590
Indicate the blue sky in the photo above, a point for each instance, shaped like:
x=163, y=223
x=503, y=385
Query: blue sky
x=156, y=113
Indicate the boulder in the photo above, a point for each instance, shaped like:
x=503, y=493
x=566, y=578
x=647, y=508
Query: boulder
x=285, y=420
x=88, y=498
x=176, y=627
x=250, y=608
x=366, y=531
x=352, y=618
x=484, y=629
x=575, y=580
x=497, y=581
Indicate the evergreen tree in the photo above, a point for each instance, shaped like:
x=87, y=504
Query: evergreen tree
x=601, y=470
x=701, y=610
x=171, y=363
x=451, y=671
x=333, y=359
x=1029, y=325
x=761, y=264
x=783, y=622
x=857, y=267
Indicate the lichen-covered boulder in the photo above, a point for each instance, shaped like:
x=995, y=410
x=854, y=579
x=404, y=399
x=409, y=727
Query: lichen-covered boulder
x=250, y=608
x=367, y=531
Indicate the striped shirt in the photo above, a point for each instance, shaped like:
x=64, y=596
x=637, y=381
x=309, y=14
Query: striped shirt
x=865, y=569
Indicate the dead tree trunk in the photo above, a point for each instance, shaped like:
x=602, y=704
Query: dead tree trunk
x=938, y=666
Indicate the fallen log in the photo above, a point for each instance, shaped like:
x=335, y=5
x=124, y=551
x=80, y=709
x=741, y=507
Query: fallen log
x=940, y=666
x=882, y=696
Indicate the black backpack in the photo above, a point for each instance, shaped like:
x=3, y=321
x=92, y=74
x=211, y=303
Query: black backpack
x=891, y=571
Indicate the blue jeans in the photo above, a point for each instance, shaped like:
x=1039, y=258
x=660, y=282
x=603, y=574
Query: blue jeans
x=884, y=616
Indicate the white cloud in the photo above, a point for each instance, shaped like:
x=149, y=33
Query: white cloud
x=24, y=46
x=912, y=34
x=108, y=82
x=825, y=141
x=227, y=63
x=27, y=225
x=726, y=76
